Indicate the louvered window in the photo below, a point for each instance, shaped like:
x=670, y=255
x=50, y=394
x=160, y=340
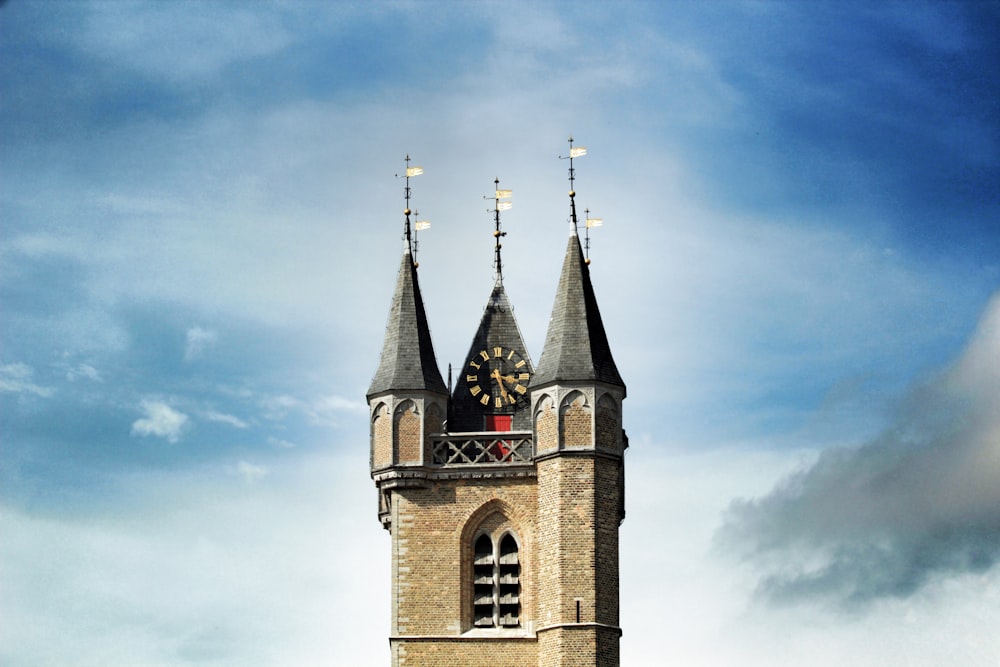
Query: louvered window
x=496, y=583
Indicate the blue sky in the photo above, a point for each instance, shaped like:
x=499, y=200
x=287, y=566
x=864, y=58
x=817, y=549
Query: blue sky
x=798, y=274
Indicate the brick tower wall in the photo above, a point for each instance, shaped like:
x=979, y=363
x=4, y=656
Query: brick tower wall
x=578, y=561
x=433, y=529
x=579, y=499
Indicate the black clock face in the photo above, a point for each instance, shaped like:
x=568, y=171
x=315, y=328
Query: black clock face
x=498, y=378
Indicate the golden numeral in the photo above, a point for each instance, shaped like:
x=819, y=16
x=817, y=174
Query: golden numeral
x=497, y=351
x=509, y=355
x=520, y=363
x=484, y=355
x=485, y=400
x=498, y=402
x=511, y=399
x=475, y=390
x=471, y=378
x=519, y=389
x=475, y=365
x=524, y=377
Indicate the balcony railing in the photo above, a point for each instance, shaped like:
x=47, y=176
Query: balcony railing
x=475, y=449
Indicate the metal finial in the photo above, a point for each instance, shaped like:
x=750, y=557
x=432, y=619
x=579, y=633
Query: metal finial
x=498, y=206
x=588, y=223
x=579, y=151
x=418, y=226
x=407, y=236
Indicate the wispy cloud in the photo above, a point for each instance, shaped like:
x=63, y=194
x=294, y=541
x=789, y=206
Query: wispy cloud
x=885, y=519
x=250, y=472
x=326, y=409
x=177, y=42
x=278, y=407
x=198, y=340
x=18, y=378
x=280, y=443
x=322, y=410
x=197, y=570
x=161, y=421
x=223, y=418
x=83, y=371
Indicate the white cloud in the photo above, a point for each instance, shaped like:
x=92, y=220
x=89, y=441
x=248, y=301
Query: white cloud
x=198, y=339
x=887, y=519
x=250, y=472
x=161, y=421
x=85, y=371
x=325, y=410
x=180, y=42
x=223, y=418
x=190, y=570
x=17, y=378
x=281, y=444
x=340, y=404
x=277, y=407
x=684, y=602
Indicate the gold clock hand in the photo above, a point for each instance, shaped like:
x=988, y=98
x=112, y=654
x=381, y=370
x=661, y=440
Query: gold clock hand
x=499, y=378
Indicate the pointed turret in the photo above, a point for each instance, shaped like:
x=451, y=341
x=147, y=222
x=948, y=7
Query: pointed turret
x=408, y=362
x=492, y=389
x=576, y=408
x=576, y=346
x=407, y=399
x=497, y=346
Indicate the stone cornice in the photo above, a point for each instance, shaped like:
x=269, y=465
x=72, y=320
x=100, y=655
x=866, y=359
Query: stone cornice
x=415, y=476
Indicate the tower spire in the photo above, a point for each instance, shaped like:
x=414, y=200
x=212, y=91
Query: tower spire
x=407, y=362
x=498, y=206
x=576, y=345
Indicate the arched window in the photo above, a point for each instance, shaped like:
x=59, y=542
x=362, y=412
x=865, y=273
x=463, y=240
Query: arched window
x=496, y=572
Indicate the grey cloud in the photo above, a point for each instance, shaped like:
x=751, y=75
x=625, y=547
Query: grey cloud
x=921, y=501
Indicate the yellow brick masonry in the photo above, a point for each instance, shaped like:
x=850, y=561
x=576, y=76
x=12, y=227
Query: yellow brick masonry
x=432, y=536
x=408, y=433
x=578, y=512
x=578, y=558
x=381, y=438
x=566, y=520
x=466, y=653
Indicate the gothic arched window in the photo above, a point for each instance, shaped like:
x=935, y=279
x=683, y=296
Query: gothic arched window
x=496, y=572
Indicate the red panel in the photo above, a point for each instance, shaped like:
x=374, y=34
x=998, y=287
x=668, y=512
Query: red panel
x=498, y=422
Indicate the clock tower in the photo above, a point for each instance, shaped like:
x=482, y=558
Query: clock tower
x=503, y=493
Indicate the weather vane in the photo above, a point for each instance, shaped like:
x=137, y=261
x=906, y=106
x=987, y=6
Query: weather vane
x=499, y=205
x=411, y=241
x=576, y=152
x=418, y=226
x=588, y=223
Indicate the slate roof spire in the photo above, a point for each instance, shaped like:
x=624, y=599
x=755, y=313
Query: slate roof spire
x=497, y=328
x=407, y=361
x=576, y=345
